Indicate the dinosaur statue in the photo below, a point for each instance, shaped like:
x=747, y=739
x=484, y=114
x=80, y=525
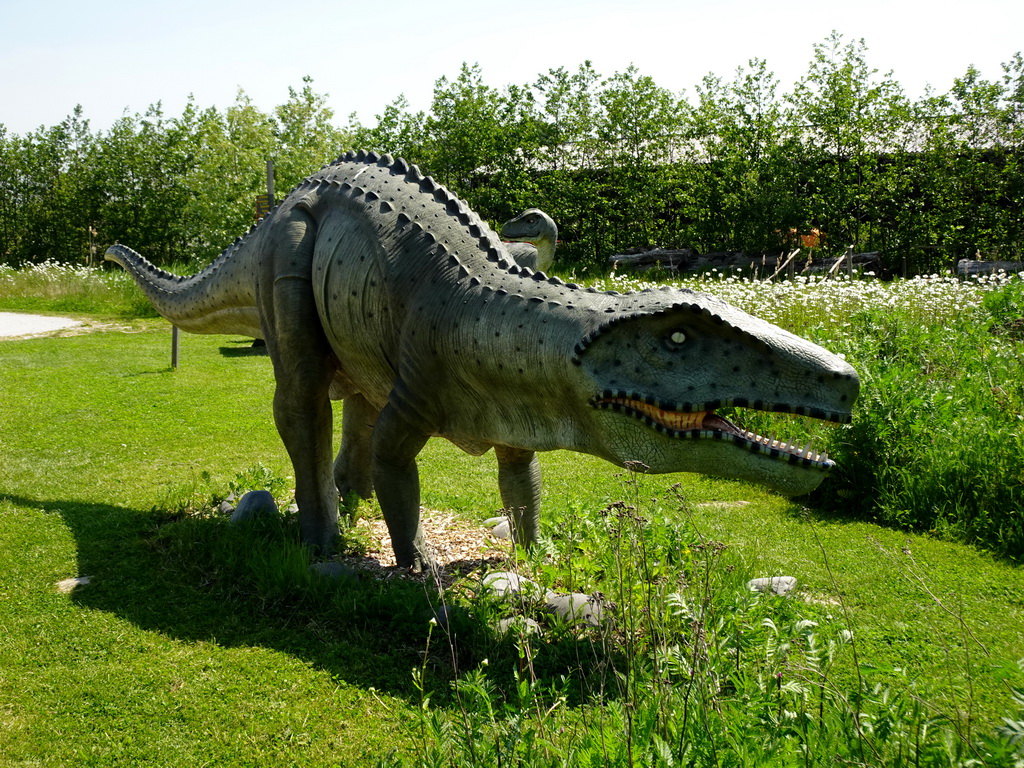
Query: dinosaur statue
x=532, y=237
x=372, y=283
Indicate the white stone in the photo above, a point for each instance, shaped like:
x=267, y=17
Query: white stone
x=507, y=583
x=779, y=585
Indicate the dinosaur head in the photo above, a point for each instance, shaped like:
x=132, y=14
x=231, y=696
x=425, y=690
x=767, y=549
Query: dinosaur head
x=657, y=372
x=530, y=226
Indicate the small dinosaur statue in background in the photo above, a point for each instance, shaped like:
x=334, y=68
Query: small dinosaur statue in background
x=373, y=283
x=533, y=237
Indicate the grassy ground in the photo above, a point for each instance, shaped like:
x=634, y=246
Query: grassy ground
x=163, y=658
x=143, y=664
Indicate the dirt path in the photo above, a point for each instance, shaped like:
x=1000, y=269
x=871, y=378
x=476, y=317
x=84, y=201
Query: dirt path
x=14, y=325
x=17, y=325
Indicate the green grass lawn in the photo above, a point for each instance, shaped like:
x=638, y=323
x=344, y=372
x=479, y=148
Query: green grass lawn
x=163, y=659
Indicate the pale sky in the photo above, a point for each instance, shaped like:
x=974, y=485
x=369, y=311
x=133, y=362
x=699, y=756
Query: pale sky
x=115, y=56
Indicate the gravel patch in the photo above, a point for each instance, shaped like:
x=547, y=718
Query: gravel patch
x=460, y=547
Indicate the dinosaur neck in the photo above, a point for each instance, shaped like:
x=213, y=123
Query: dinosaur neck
x=545, y=249
x=513, y=336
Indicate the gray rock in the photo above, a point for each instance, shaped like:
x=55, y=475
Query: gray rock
x=255, y=505
x=576, y=608
x=507, y=583
x=334, y=571
x=518, y=623
x=778, y=585
x=499, y=527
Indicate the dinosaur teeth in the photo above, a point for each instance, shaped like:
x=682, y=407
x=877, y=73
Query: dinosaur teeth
x=688, y=422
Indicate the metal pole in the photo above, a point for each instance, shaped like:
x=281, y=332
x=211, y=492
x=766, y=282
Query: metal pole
x=270, y=182
x=174, y=347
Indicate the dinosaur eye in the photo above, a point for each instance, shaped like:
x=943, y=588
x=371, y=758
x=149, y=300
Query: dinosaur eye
x=677, y=337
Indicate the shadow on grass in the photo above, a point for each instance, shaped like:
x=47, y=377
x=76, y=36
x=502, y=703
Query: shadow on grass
x=199, y=579
x=245, y=348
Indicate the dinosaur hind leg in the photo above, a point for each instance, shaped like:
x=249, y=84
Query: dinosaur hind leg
x=396, y=478
x=304, y=367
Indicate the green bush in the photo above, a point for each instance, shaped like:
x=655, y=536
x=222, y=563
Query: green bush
x=1007, y=309
x=936, y=439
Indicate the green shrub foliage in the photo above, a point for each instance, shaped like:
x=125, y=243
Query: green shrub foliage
x=936, y=440
x=619, y=161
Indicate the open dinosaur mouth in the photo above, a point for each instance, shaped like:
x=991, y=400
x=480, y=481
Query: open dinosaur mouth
x=705, y=424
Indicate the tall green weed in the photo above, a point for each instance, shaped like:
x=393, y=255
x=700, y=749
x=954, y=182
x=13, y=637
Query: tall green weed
x=688, y=667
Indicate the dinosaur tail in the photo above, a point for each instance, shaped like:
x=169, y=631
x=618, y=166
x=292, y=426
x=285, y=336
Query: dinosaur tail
x=220, y=299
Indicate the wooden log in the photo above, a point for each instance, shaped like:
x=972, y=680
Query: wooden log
x=967, y=267
x=675, y=260
x=687, y=260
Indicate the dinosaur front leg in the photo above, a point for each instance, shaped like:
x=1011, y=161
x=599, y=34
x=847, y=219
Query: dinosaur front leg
x=353, y=469
x=397, y=483
x=519, y=483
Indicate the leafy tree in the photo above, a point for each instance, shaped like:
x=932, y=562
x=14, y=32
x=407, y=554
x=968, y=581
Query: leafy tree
x=9, y=172
x=229, y=172
x=144, y=165
x=849, y=120
x=304, y=135
x=397, y=132
x=1012, y=121
x=987, y=125
x=567, y=114
x=975, y=120
x=568, y=157
x=640, y=127
x=480, y=141
x=739, y=188
x=48, y=193
x=969, y=166
x=463, y=131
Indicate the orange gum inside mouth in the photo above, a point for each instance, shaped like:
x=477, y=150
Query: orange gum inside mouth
x=677, y=420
